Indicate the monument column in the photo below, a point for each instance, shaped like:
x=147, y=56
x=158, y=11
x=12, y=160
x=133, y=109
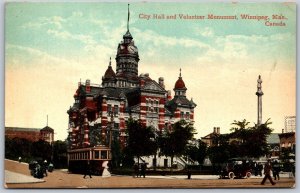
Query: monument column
x=259, y=94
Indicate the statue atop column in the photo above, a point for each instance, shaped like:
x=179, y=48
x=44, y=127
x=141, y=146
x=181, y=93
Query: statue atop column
x=259, y=81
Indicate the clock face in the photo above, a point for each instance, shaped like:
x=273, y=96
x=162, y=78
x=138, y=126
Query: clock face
x=131, y=49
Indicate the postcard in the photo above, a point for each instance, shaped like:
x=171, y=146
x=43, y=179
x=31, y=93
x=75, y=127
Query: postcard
x=150, y=95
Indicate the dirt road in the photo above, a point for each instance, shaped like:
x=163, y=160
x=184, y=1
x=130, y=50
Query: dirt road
x=61, y=179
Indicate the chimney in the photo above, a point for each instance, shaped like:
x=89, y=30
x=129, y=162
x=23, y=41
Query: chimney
x=218, y=130
x=161, y=82
x=88, y=85
x=215, y=129
x=282, y=130
x=142, y=83
x=169, y=96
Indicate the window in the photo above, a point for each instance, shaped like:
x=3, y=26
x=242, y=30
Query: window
x=116, y=109
x=187, y=116
x=97, y=155
x=181, y=115
x=282, y=145
x=103, y=154
x=108, y=108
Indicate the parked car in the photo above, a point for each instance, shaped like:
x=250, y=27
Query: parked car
x=236, y=168
x=35, y=169
x=50, y=167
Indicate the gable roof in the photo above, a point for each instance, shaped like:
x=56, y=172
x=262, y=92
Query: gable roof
x=273, y=138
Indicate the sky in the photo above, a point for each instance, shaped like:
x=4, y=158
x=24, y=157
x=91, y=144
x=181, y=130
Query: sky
x=50, y=47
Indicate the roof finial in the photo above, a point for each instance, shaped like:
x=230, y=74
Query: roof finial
x=109, y=61
x=47, y=120
x=180, y=72
x=128, y=18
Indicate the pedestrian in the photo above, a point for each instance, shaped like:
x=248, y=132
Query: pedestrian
x=255, y=168
x=87, y=170
x=143, y=169
x=105, y=172
x=44, y=168
x=189, y=173
x=276, y=170
x=260, y=168
x=136, y=170
x=267, y=172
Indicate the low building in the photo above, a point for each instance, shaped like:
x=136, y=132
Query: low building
x=31, y=134
x=287, y=140
x=274, y=144
x=211, y=139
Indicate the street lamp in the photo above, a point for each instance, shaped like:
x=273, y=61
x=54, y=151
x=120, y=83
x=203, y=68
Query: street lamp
x=111, y=128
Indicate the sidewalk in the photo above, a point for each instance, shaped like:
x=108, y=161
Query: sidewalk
x=16, y=178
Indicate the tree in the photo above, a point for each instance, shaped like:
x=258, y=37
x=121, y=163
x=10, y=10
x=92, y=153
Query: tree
x=41, y=150
x=221, y=151
x=250, y=141
x=60, y=154
x=140, y=141
x=197, y=152
x=17, y=147
x=240, y=125
x=174, y=142
x=243, y=141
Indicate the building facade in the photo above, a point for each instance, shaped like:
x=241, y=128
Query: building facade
x=100, y=109
x=31, y=134
x=211, y=139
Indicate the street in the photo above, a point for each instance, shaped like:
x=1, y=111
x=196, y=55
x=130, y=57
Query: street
x=61, y=179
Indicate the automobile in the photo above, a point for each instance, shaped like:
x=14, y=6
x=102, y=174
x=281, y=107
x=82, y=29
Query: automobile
x=32, y=165
x=50, y=167
x=236, y=168
x=35, y=169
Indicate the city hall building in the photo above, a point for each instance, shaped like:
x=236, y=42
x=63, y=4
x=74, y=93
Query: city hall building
x=123, y=93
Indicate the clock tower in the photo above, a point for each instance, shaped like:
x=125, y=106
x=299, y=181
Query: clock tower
x=127, y=57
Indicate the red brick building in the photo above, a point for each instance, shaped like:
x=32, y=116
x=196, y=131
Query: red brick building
x=31, y=134
x=123, y=94
x=287, y=140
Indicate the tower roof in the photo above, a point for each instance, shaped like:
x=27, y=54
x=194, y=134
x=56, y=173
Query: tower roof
x=109, y=73
x=179, y=83
x=127, y=35
x=47, y=128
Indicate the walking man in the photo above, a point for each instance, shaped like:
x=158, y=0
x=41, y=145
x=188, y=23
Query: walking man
x=267, y=171
x=276, y=170
x=87, y=170
x=136, y=170
x=143, y=169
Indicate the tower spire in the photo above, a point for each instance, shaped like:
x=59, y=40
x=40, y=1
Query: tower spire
x=180, y=72
x=128, y=18
x=109, y=61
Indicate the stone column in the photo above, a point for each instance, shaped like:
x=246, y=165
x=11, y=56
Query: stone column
x=259, y=94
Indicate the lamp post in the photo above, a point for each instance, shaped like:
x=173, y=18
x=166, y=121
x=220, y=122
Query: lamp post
x=111, y=128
